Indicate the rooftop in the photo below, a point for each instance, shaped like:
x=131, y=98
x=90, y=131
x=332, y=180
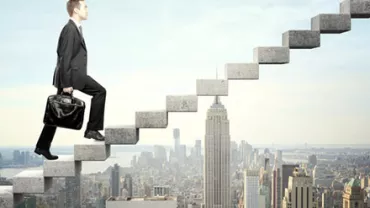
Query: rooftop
x=153, y=198
x=354, y=182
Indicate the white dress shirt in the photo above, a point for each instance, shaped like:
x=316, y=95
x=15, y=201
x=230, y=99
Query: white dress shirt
x=77, y=23
x=79, y=26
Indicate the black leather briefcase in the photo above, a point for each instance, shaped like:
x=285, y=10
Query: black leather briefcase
x=65, y=111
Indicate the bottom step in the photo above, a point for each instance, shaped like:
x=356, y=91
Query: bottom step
x=31, y=182
x=7, y=199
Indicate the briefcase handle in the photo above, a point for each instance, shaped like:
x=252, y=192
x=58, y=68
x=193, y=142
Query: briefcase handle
x=70, y=95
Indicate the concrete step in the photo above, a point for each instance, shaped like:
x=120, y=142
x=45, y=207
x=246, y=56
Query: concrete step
x=271, y=55
x=31, y=182
x=356, y=8
x=242, y=71
x=212, y=87
x=6, y=197
x=331, y=23
x=65, y=166
x=182, y=103
x=91, y=150
x=151, y=119
x=301, y=39
x=121, y=135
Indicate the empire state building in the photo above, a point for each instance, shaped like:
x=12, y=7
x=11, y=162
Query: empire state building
x=217, y=158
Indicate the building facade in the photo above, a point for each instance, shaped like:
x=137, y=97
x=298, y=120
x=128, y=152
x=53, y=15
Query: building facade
x=217, y=158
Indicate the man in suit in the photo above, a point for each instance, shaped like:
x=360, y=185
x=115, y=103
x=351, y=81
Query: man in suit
x=71, y=73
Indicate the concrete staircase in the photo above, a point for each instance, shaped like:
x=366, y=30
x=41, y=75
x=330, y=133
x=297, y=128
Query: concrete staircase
x=39, y=181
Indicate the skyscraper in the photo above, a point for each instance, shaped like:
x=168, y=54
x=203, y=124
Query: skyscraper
x=276, y=190
x=299, y=193
x=353, y=195
x=127, y=184
x=198, y=148
x=287, y=170
x=176, y=137
x=251, y=188
x=217, y=158
x=115, y=180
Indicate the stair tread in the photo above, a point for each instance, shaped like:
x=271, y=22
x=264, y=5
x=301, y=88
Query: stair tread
x=30, y=174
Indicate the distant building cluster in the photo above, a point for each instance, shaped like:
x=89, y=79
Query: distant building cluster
x=221, y=174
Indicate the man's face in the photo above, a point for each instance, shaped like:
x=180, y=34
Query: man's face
x=83, y=11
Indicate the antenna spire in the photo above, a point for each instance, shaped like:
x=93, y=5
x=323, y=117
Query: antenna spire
x=217, y=100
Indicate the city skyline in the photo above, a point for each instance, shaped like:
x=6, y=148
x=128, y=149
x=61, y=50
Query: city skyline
x=143, y=52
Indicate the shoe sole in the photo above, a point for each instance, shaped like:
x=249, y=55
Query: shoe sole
x=46, y=157
x=94, y=139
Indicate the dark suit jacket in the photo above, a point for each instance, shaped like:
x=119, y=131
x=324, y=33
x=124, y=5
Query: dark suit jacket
x=71, y=69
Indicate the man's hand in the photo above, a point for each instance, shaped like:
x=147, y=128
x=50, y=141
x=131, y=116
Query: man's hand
x=68, y=89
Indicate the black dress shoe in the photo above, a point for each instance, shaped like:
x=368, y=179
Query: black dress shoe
x=91, y=134
x=46, y=154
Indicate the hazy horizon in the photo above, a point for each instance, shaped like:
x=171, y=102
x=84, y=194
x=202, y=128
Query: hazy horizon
x=142, y=51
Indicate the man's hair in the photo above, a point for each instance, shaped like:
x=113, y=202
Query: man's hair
x=71, y=5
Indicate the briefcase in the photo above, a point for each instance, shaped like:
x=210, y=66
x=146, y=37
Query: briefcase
x=65, y=111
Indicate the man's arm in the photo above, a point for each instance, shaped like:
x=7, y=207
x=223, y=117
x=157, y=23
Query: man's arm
x=66, y=50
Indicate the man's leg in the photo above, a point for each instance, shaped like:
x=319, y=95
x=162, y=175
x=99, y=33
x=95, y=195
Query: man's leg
x=96, y=118
x=46, y=137
x=45, y=140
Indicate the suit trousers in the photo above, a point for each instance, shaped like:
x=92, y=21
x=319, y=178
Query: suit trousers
x=96, y=117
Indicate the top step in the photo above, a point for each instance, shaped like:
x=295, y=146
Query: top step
x=356, y=8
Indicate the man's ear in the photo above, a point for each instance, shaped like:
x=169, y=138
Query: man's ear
x=75, y=10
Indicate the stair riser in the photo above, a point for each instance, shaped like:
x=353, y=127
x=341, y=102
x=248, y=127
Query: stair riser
x=331, y=23
x=271, y=55
x=128, y=135
x=91, y=152
x=62, y=168
x=356, y=8
x=212, y=87
x=32, y=185
x=301, y=39
x=186, y=103
x=151, y=119
x=240, y=71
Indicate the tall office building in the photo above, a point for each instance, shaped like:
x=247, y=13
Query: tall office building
x=217, y=158
x=276, y=188
x=279, y=159
x=198, y=148
x=287, y=170
x=114, y=181
x=181, y=154
x=353, y=195
x=176, y=137
x=127, y=184
x=251, y=188
x=327, y=199
x=299, y=192
x=160, y=153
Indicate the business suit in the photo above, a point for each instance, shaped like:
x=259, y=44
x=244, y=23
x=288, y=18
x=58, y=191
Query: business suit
x=71, y=71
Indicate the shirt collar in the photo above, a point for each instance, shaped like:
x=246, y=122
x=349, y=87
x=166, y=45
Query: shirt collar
x=76, y=23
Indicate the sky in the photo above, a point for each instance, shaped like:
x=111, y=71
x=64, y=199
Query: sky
x=141, y=51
